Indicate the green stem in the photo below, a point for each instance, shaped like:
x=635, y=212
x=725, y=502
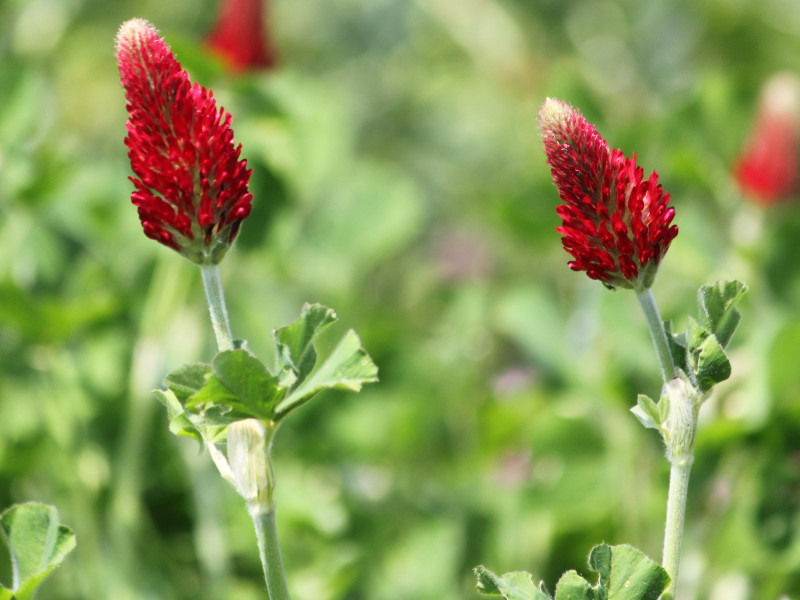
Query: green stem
x=216, y=307
x=682, y=426
x=673, y=532
x=270, y=553
x=657, y=332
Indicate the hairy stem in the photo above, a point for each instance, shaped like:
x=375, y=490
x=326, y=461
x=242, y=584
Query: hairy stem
x=270, y=553
x=682, y=428
x=216, y=307
x=673, y=532
x=657, y=332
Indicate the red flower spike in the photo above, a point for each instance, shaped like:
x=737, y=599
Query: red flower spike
x=767, y=170
x=240, y=35
x=616, y=224
x=191, y=186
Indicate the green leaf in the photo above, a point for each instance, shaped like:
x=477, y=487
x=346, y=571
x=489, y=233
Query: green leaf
x=38, y=543
x=626, y=573
x=517, y=585
x=203, y=400
x=696, y=334
x=347, y=367
x=716, y=304
x=187, y=380
x=711, y=364
x=246, y=376
x=295, y=342
x=646, y=410
x=179, y=422
x=572, y=586
x=183, y=385
x=240, y=387
x=600, y=558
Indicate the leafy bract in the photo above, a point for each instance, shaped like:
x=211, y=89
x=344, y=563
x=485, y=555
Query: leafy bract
x=717, y=308
x=700, y=350
x=710, y=364
x=37, y=542
x=651, y=414
x=238, y=387
x=623, y=573
x=347, y=367
x=202, y=400
x=182, y=385
x=296, y=353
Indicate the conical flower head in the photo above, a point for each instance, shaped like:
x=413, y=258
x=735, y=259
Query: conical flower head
x=191, y=186
x=616, y=224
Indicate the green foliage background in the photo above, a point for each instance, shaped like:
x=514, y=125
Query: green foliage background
x=399, y=178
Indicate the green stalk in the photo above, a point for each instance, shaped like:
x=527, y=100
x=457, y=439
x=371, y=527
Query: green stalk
x=673, y=531
x=679, y=439
x=252, y=468
x=657, y=332
x=270, y=553
x=216, y=306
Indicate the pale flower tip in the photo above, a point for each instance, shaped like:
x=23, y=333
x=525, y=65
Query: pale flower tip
x=130, y=30
x=553, y=112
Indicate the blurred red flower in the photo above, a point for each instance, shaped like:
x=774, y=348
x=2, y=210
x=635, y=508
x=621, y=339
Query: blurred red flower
x=767, y=170
x=241, y=37
x=616, y=225
x=191, y=186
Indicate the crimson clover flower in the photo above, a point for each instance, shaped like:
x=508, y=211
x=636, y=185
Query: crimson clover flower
x=191, y=187
x=767, y=170
x=616, y=224
x=240, y=35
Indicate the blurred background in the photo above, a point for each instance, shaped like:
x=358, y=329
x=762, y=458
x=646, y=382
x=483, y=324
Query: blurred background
x=399, y=178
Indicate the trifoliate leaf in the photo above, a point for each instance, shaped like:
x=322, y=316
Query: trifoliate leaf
x=516, y=585
x=240, y=387
x=183, y=386
x=203, y=400
x=295, y=342
x=348, y=367
x=205, y=426
x=37, y=542
x=623, y=573
x=716, y=304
